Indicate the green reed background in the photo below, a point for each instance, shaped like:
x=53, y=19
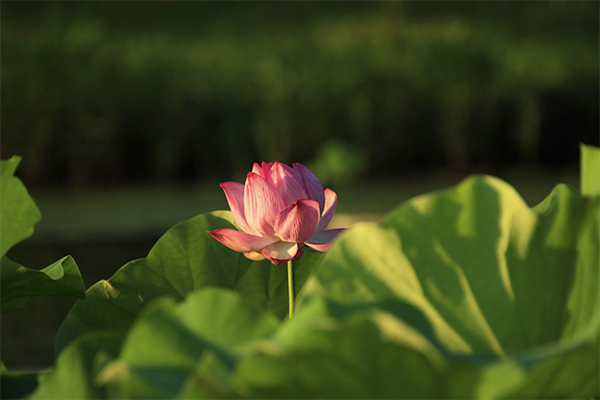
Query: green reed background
x=110, y=93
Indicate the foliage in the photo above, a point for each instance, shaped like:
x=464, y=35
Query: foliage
x=61, y=278
x=184, y=260
x=18, y=214
x=16, y=385
x=175, y=89
x=462, y=293
x=590, y=171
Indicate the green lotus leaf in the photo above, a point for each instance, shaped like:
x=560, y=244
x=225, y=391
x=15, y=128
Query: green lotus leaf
x=61, y=278
x=334, y=351
x=590, y=170
x=496, y=280
x=206, y=335
x=18, y=212
x=183, y=260
x=77, y=367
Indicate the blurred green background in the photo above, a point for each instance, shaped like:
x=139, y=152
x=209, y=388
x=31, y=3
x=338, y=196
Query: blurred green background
x=129, y=114
x=119, y=92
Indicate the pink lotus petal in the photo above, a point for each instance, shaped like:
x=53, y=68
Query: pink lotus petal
x=280, y=252
x=263, y=170
x=320, y=247
x=322, y=241
x=268, y=168
x=312, y=185
x=300, y=251
x=262, y=203
x=326, y=236
x=330, y=204
x=234, y=192
x=288, y=182
x=298, y=221
x=254, y=255
x=240, y=241
x=257, y=169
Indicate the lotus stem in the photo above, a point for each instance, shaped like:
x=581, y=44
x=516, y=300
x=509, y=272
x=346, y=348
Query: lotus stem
x=291, y=287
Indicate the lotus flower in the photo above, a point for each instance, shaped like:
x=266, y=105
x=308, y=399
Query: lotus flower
x=279, y=210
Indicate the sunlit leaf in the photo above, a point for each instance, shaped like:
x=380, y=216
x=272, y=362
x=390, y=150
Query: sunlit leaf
x=18, y=212
x=327, y=351
x=495, y=279
x=332, y=351
x=590, y=170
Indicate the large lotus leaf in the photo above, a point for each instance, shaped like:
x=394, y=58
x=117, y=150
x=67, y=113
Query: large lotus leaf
x=494, y=278
x=210, y=379
x=404, y=316
x=205, y=334
x=340, y=361
x=77, y=367
x=492, y=275
x=18, y=283
x=18, y=212
x=583, y=306
x=590, y=170
x=572, y=375
x=334, y=351
x=185, y=259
